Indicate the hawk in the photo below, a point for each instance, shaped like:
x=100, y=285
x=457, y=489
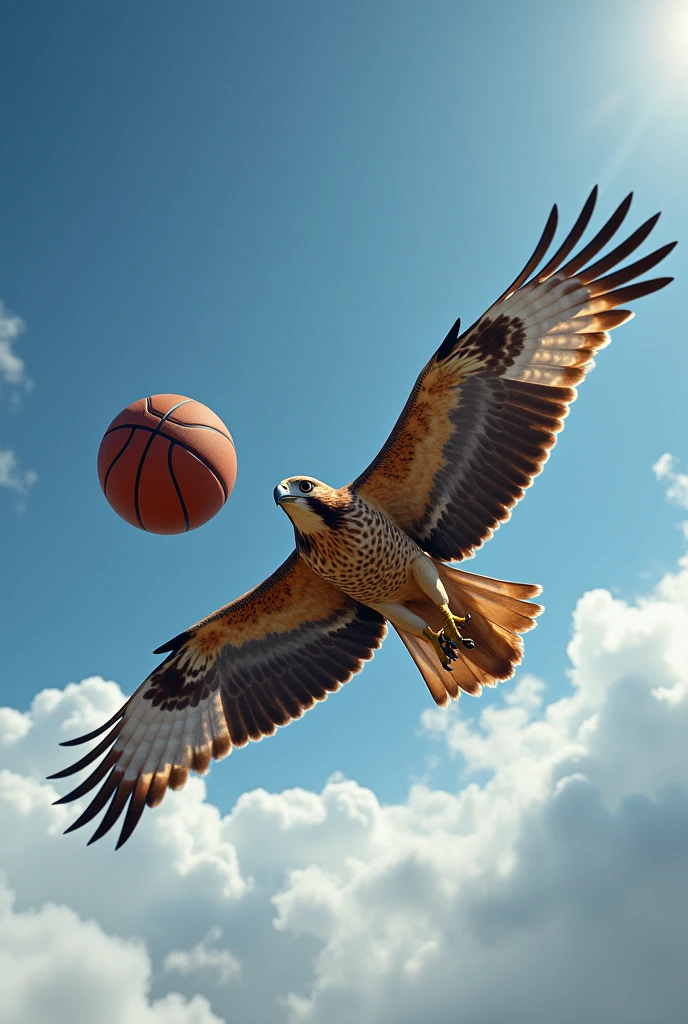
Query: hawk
x=477, y=428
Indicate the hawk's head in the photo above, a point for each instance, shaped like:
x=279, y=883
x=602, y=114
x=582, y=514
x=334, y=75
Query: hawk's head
x=312, y=506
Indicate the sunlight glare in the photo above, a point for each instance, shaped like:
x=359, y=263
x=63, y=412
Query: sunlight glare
x=671, y=41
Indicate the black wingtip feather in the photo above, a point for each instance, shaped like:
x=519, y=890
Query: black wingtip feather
x=92, y=735
x=606, y=232
x=638, y=290
x=612, y=281
x=97, y=803
x=87, y=758
x=540, y=250
x=93, y=779
x=571, y=239
x=131, y=820
x=120, y=798
x=629, y=245
x=174, y=644
x=447, y=345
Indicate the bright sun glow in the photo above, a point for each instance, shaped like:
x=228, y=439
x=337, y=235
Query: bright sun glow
x=670, y=37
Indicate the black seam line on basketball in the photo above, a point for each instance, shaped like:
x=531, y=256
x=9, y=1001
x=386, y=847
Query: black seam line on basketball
x=160, y=415
x=143, y=459
x=204, y=426
x=117, y=456
x=190, y=451
x=177, y=488
x=195, y=426
x=151, y=411
x=180, y=444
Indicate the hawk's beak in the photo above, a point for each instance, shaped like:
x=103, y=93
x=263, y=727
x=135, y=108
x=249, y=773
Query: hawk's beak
x=281, y=493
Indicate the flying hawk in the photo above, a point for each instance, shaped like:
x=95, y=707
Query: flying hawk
x=475, y=431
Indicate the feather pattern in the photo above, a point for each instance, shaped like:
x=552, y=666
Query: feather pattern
x=254, y=665
x=486, y=409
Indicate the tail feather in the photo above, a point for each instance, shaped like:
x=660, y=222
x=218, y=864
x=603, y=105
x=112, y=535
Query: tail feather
x=522, y=591
x=499, y=611
x=442, y=684
x=430, y=668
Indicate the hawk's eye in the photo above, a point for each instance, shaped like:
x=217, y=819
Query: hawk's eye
x=306, y=486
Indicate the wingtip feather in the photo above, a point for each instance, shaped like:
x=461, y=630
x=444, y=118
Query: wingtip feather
x=94, y=732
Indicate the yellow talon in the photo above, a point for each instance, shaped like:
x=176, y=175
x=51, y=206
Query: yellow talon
x=451, y=624
x=436, y=641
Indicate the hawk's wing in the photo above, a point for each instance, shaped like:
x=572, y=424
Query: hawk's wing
x=485, y=411
x=257, y=663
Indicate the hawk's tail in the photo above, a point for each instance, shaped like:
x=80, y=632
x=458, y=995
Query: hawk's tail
x=500, y=612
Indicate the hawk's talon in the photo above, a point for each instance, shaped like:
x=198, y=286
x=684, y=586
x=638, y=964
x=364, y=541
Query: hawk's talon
x=452, y=622
x=451, y=649
x=446, y=648
x=439, y=643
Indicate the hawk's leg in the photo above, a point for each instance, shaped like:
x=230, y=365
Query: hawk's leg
x=451, y=627
x=428, y=579
x=408, y=622
x=445, y=649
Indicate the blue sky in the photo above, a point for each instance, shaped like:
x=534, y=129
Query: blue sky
x=279, y=210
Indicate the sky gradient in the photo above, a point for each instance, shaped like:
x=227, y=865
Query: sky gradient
x=279, y=210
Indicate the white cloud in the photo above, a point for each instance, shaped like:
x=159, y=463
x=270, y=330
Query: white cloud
x=13, y=476
x=13, y=726
x=182, y=846
x=12, y=370
x=551, y=886
x=677, y=483
x=56, y=967
x=206, y=955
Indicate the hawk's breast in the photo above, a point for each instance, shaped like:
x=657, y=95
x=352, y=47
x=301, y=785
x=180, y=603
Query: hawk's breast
x=367, y=555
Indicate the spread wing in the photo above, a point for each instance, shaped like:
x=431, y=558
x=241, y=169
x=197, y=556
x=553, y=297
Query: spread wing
x=257, y=663
x=485, y=411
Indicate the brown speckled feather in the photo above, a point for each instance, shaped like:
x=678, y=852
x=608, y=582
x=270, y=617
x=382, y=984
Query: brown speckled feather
x=485, y=411
x=256, y=664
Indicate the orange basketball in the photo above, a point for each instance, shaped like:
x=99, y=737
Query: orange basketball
x=167, y=464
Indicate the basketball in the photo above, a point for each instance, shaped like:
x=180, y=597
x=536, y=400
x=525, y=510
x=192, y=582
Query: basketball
x=167, y=464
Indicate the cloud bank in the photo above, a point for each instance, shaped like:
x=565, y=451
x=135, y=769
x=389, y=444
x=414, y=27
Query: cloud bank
x=549, y=887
